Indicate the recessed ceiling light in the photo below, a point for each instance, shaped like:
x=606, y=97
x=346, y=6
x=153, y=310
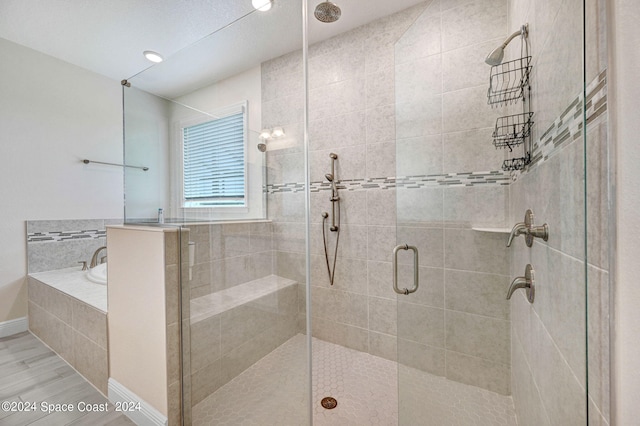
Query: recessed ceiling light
x=262, y=5
x=153, y=56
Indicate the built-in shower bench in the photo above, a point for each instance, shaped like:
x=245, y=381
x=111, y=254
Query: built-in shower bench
x=225, y=300
x=234, y=328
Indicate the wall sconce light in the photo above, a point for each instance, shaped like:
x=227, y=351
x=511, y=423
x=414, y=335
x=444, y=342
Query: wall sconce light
x=277, y=132
x=265, y=134
x=268, y=134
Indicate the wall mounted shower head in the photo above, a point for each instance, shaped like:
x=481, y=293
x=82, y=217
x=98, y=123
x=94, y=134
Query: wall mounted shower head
x=329, y=177
x=327, y=12
x=496, y=55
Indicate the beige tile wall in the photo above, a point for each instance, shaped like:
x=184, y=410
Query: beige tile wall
x=75, y=330
x=229, y=254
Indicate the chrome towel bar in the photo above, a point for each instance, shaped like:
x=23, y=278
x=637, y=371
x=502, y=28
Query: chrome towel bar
x=85, y=161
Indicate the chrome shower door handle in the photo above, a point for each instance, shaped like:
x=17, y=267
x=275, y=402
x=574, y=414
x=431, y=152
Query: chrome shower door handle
x=405, y=291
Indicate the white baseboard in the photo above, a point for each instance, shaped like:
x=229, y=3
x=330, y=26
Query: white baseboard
x=123, y=397
x=14, y=326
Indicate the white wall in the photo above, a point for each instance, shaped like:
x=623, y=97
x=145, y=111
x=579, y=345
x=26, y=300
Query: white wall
x=625, y=15
x=52, y=115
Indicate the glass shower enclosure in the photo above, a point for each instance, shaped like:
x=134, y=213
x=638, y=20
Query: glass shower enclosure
x=374, y=159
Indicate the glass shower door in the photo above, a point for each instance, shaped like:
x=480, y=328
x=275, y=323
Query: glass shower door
x=465, y=353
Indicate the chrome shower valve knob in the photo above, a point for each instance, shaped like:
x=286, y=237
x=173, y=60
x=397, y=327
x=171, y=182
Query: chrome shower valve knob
x=529, y=230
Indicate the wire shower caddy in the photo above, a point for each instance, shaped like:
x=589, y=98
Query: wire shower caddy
x=512, y=130
x=508, y=81
x=513, y=164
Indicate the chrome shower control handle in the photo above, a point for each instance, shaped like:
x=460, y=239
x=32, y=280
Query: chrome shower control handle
x=527, y=282
x=518, y=229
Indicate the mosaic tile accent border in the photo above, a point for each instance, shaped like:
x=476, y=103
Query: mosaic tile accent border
x=569, y=126
x=409, y=182
x=57, y=236
x=75, y=240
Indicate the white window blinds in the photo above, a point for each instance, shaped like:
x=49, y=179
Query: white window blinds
x=214, y=162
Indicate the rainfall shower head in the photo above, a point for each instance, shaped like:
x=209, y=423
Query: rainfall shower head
x=329, y=177
x=327, y=12
x=497, y=54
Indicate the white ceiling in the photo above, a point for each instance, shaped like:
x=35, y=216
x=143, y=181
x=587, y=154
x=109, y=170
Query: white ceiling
x=108, y=37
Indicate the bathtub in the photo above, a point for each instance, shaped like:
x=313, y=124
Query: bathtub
x=74, y=282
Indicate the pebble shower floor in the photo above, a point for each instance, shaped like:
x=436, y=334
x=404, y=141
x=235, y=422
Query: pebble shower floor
x=273, y=392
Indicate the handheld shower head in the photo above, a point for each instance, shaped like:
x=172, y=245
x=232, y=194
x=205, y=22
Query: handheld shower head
x=327, y=12
x=329, y=177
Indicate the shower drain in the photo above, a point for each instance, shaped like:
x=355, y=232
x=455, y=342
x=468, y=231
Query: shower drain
x=329, y=403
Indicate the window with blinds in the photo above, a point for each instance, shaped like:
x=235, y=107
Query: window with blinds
x=214, y=171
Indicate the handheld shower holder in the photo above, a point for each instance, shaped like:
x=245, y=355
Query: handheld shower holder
x=335, y=227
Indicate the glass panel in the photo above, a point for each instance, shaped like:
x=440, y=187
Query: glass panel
x=465, y=352
x=243, y=350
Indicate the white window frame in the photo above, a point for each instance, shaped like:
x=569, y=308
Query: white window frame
x=241, y=107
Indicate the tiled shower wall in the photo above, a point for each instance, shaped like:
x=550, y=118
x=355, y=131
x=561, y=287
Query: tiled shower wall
x=549, y=351
x=410, y=87
x=229, y=254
